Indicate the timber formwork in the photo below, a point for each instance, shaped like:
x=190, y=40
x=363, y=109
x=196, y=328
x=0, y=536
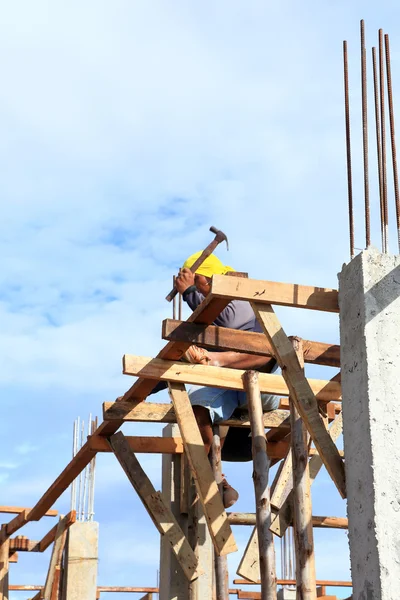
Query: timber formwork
x=310, y=411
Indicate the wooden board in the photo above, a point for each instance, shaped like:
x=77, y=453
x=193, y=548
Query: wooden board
x=249, y=342
x=302, y=394
x=272, y=292
x=145, y=412
x=55, y=559
x=19, y=509
x=142, y=444
x=221, y=377
x=284, y=516
x=155, y=505
x=206, y=485
x=51, y=535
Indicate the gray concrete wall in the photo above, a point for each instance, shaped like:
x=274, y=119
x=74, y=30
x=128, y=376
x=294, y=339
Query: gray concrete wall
x=369, y=301
x=81, y=560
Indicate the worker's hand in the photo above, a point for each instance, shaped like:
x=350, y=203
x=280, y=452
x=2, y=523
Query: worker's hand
x=184, y=280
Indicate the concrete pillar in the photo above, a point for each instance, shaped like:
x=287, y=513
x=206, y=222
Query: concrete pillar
x=369, y=301
x=81, y=558
x=286, y=594
x=173, y=583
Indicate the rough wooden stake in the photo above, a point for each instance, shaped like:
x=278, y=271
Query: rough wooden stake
x=4, y=563
x=260, y=477
x=302, y=509
x=221, y=562
x=50, y=591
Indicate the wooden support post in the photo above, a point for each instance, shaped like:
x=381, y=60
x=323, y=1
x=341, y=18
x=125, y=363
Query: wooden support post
x=4, y=563
x=206, y=486
x=260, y=477
x=284, y=518
x=51, y=587
x=155, y=505
x=301, y=393
x=302, y=508
x=221, y=562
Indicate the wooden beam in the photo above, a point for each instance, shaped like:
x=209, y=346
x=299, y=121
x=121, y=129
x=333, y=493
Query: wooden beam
x=326, y=582
x=19, y=509
x=141, y=444
x=221, y=377
x=272, y=292
x=146, y=412
x=155, y=505
x=302, y=394
x=237, y=518
x=206, y=485
x=249, y=342
x=19, y=521
x=52, y=578
x=302, y=509
x=4, y=564
x=23, y=544
x=51, y=535
x=284, y=516
x=261, y=489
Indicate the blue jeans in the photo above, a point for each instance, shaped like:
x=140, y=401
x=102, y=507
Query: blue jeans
x=222, y=403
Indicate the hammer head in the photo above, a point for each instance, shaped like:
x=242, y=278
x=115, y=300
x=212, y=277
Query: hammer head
x=220, y=236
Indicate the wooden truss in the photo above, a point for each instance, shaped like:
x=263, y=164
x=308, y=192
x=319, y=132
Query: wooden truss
x=309, y=401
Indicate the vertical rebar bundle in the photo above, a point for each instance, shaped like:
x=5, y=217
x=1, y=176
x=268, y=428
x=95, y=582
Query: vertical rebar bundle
x=380, y=132
x=82, y=490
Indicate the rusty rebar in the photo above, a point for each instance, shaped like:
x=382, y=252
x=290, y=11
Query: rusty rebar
x=348, y=148
x=383, y=142
x=392, y=136
x=365, y=132
x=174, y=299
x=378, y=142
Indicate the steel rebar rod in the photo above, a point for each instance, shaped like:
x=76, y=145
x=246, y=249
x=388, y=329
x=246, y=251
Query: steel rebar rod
x=348, y=148
x=392, y=137
x=383, y=142
x=174, y=300
x=365, y=132
x=378, y=143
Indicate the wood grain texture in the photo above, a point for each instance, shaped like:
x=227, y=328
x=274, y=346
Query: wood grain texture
x=51, y=535
x=302, y=394
x=249, y=342
x=155, y=505
x=221, y=377
x=273, y=292
x=206, y=485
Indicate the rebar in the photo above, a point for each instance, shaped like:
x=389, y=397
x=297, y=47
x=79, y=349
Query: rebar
x=348, y=148
x=74, y=450
x=174, y=299
x=383, y=142
x=378, y=143
x=392, y=137
x=365, y=132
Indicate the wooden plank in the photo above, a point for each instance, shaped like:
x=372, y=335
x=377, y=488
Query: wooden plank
x=249, y=342
x=56, y=557
x=272, y=292
x=19, y=521
x=51, y=535
x=146, y=412
x=19, y=509
x=326, y=582
x=23, y=544
x=155, y=505
x=4, y=564
x=237, y=518
x=206, y=485
x=221, y=377
x=285, y=515
x=261, y=489
x=302, y=509
x=141, y=444
x=302, y=393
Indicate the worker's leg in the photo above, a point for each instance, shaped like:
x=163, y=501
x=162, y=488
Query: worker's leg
x=234, y=360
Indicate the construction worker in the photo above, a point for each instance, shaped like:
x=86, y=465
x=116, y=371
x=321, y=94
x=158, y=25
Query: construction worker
x=212, y=405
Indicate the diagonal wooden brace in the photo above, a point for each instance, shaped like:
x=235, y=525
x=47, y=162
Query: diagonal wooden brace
x=302, y=394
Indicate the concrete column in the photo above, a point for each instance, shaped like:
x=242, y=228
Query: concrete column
x=81, y=558
x=369, y=301
x=287, y=594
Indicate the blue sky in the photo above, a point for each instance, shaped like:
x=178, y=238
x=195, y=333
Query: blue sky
x=128, y=128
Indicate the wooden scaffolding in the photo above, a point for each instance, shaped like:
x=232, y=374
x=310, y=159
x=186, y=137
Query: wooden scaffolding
x=310, y=413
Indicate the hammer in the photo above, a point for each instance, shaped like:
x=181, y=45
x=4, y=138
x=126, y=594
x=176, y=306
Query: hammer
x=219, y=237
